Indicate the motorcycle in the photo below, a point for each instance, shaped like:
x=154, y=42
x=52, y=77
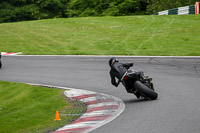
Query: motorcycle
x=137, y=83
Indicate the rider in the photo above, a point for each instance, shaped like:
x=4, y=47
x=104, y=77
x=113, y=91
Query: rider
x=117, y=70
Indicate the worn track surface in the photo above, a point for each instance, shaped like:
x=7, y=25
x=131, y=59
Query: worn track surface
x=177, y=81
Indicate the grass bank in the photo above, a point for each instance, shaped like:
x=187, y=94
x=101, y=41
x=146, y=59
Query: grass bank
x=131, y=35
x=25, y=108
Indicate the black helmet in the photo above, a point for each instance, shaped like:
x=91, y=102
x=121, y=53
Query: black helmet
x=112, y=61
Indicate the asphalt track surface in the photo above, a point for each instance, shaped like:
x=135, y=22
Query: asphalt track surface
x=177, y=81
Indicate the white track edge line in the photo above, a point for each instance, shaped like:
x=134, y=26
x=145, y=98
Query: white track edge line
x=105, y=56
x=115, y=115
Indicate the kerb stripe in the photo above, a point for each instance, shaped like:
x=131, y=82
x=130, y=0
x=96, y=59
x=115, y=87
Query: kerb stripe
x=110, y=107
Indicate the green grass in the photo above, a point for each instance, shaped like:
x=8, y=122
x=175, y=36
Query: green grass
x=25, y=108
x=129, y=35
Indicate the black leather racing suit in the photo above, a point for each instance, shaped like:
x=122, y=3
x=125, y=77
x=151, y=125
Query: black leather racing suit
x=117, y=71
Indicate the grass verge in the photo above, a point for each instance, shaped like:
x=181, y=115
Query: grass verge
x=25, y=108
x=130, y=35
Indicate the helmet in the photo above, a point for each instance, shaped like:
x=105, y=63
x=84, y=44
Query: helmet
x=112, y=61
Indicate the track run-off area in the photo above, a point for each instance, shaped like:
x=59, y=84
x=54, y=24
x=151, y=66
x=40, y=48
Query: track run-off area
x=176, y=79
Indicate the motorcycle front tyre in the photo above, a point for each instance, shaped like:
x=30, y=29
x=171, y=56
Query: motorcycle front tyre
x=145, y=90
x=0, y=64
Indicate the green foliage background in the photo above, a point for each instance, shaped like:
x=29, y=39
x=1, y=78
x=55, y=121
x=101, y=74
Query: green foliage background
x=21, y=10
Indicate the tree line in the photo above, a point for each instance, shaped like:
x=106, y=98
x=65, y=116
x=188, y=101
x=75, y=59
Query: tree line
x=22, y=10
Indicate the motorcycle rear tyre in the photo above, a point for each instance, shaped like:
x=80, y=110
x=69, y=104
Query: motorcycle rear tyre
x=0, y=64
x=145, y=90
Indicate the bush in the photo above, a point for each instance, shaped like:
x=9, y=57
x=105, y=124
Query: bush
x=19, y=10
x=105, y=7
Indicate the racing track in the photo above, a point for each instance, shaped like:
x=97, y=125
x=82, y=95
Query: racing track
x=177, y=81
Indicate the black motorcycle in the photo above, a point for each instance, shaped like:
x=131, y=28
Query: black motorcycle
x=138, y=84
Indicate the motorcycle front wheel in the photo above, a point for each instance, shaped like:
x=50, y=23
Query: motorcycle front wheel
x=0, y=64
x=143, y=89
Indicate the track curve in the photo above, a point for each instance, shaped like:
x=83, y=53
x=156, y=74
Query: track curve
x=176, y=80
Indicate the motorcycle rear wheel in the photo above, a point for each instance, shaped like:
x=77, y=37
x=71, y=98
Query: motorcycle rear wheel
x=143, y=89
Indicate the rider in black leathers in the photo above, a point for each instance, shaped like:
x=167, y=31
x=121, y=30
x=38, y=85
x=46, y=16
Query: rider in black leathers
x=117, y=70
